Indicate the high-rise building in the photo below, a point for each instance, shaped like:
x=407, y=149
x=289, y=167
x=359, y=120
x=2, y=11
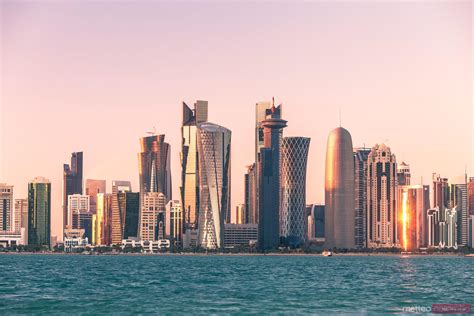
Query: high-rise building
x=251, y=184
x=7, y=220
x=361, y=156
x=77, y=203
x=101, y=220
x=318, y=214
x=403, y=174
x=470, y=195
x=413, y=204
x=471, y=231
x=125, y=214
x=174, y=224
x=382, y=198
x=339, y=191
x=94, y=187
x=269, y=180
x=72, y=181
x=214, y=148
x=152, y=216
x=21, y=212
x=293, y=217
x=121, y=186
x=39, y=212
x=189, y=162
x=154, y=165
x=240, y=214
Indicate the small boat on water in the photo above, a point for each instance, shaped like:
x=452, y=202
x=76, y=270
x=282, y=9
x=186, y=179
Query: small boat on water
x=327, y=253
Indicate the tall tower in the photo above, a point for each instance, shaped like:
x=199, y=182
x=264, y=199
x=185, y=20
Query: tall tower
x=382, y=198
x=154, y=165
x=94, y=187
x=269, y=180
x=293, y=217
x=189, y=189
x=361, y=156
x=339, y=190
x=72, y=180
x=39, y=212
x=251, y=206
x=7, y=220
x=214, y=148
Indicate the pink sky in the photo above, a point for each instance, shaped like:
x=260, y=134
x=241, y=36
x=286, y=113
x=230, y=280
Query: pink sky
x=95, y=77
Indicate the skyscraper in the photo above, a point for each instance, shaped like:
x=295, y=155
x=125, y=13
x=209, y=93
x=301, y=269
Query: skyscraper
x=459, y=201
x=174, y=225
x=121, y=186
x=269, y=180
x=125, y=216
x=251, y=205
x=154, y=165
x=189, y=162
x=102, y=220
x=339, y=191
x=94, y=187
x=382, y=198
x=413, y=205
x=293, y=217
x=240, y=214
x=152, y=216
x=361, y=156
x=470, y=195
x=6, y=208
x=39, y=212
x=77, y=203
x=72, y=181
x=21, y=215
x=403, y=174
x=214, y=148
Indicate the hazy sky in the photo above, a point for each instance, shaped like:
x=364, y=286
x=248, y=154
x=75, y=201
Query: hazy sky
x=96, y=76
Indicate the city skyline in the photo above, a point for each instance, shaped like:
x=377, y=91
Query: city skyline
x=415, y=77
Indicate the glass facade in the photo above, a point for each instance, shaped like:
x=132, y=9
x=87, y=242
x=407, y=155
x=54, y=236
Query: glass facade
x=39, y=212
x=72, y=181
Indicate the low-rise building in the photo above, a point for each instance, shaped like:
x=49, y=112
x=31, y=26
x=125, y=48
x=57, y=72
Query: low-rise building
x=236, y=235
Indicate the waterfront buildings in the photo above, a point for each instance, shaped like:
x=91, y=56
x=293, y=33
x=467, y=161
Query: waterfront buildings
x=458, y=199
x=403, y=174
x=154, y=165
x=236, y=235
x=152, y=216
x=381, y=198
x=470, y=195
x=94, y=187
x=7, y=220
x=189, y=162
x=293, y=217
x=269, y=180
x=72, y=181
x=21, y=209
x=316, y=223
x=339, y=191
x=39, y=212
x=77, y=203
x=9, y=238
x=125, y=215
x=174, y=224
x=361, y=156
x=413, y=204
x=251, y=205
x=102, y=221
x=214, y=148
x=240, y=214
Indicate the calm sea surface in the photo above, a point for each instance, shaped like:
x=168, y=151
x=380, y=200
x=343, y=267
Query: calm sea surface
x=60, y=284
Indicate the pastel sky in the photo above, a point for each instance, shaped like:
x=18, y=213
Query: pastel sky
x=96, y=76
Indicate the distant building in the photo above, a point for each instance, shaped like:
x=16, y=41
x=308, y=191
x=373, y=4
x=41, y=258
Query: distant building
x=214, y=148
x=121, y=186
x=293, y=217
x=7, y=220
x=240, y=235
x=470, y=195
x=154, y=165
x=413, y=204
x=152, y=216
x=174, y=223
x=72, y=181
x=403, y=174
x=189, y=162
x=21, y=209
x=269, y=179
x=471, y=231
x=442, y=229
x=339, y=191
x=39, y=212
x=9, y=238
x=74, y=239
x=77, y=203
x=102, y=221
x=318, y=223
x=382, y=198
x=125, y=215
x=251, y=205
x=240, y=213
x=94, y=187
x=361, y=156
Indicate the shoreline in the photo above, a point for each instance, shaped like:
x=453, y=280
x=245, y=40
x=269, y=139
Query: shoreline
x=245, y=254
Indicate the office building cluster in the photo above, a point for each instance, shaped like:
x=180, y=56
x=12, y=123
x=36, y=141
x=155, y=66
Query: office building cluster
x=370, y=201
